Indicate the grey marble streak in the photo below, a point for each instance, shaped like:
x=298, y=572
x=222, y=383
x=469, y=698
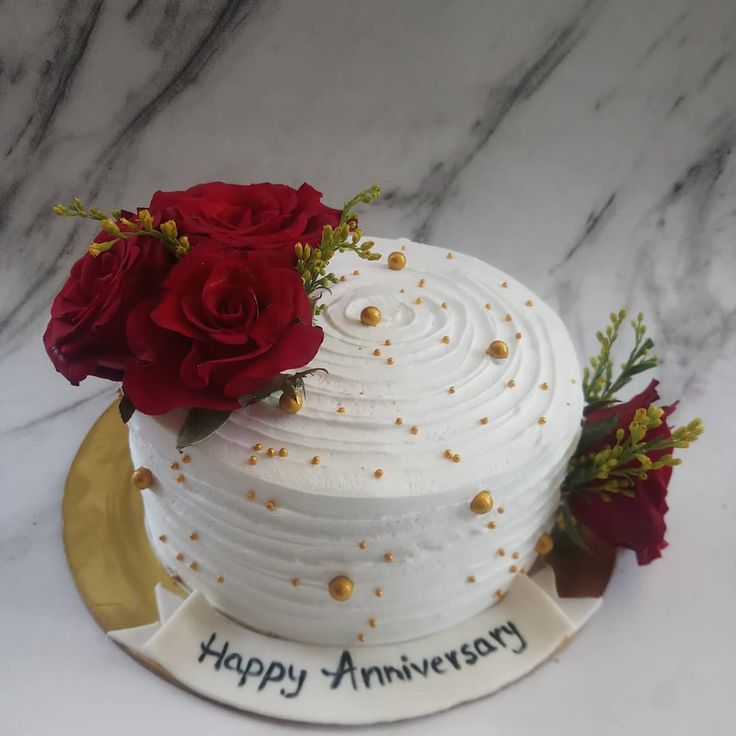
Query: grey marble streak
x=585, y=146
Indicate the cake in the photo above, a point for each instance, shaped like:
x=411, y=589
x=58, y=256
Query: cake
x=421, y=475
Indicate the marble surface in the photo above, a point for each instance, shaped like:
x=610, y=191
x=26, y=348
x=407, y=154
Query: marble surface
x=585, y=147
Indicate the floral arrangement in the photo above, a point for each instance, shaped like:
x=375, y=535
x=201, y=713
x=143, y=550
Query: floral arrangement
x=202, y=299
x=205, y=298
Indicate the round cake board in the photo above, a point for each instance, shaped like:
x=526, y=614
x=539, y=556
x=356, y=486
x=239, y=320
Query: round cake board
x=183, y=639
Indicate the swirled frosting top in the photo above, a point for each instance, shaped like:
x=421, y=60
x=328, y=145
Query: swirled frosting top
x=417, y=397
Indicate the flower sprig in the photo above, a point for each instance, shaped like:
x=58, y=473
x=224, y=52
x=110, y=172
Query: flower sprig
x=120, y=227
x=599, y=385
x=312, y=262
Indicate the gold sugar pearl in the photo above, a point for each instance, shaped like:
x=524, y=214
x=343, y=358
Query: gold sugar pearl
x=390, y=361
x=316, y=460
x=518, y=336
x=341, y=588
x=419, y=300
x=500, y=509
x=340, y=409
x=513, y=568
x=257, y=447
x=501, y=552
x=471, y=579
x=296, y=582
x=363, y=544
x=193, y=565
x=451, y=390
x=271, y=505
x=505, y=285
x=378, y=592
x=387, y=342
x=186, y=458
x=378, y=473
x=456, y=458
x=448, y=453
x=180, y=557
x=252, y=459
x=180, y=478
x=484, y=420
x=446, y=339
x=507, y=318
x=398, y=420
x=220, y=579
x=174, y=466
x=271, y=452
x=488, y=306
x=141, y=478
x=370, y=316
x=450, y=256
x=162, y=538
x=251, y=495
x=422, y=282
x=377, y=352
x=283, y=452
x=528, y=302
x=414, y=430
x=498, y=349
x=396, y=261
x=491, y=524
x=361, y=637
x=356, y=272
x=542, y=420
x=372, y=623
x=444, y=305
x=515, y=555
x=511, y=383
x=194, y=536
x=481, y=503
x=388, y=557
x=343, y=279
x=544, y=545
x=544, y=386
x=499, y=594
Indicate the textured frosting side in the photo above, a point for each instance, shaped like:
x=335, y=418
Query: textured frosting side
x=304, y=523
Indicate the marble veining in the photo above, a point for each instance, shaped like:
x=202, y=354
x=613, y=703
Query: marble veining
x=585, y=147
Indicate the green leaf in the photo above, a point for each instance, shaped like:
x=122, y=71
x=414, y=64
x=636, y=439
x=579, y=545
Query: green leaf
x=126, y=408
x=199, y=425
x=595, y=432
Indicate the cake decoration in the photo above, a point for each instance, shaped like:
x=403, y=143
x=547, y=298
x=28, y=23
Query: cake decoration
x=396, y=261
x=142, y=478
x=370, y=316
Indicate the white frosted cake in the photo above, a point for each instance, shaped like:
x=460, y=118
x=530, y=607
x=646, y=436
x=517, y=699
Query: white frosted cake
x=413, y=485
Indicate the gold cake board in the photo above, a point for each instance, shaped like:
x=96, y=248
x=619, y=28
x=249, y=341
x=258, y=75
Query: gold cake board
x=116, y=570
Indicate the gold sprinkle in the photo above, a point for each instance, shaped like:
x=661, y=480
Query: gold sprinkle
x=518, y=336
x=388, y=557
x=377, y=352
x=507, y=317
x=252, y=459
x=501, y=552
x=446, y=339
x=271, y=452
x=422, y=282
x=296, y=582
x=544, y=545
x=444, y=305
x=511, y=383
x=220, y=579
x=372, y=623
x=528, y=302
x=513, y=568
x=174, y=466
x=361, y=637
x=456, y=458
x=491, y=524
x=180, y=557
x=356, y=272
x=484, y=420
x=378, y=592
x=500, y=509
x=470, y=579
x=414, y=429
x=448, y=453
x=488, y=306
x=398, y=420
x=340, y=409
x=418, y=300
x=257, y=447
x=451, y=390
x=505, y=285
x=363, y=544
x=180, y=478
x=341, y=588
x=387, y=342
x=251, y=495
x=142, y=478
x=390, y=361
x=283, y=452
x=162, y=538
x=515, y=555
x=449, y=256
x=544, y=386
x=396, y=261
x=542, y=420
x=193, y=565
x=316, y=460
x=498, y=349
x=378, y=473
x=194, y=536
x=499, y=594
x=343, y=278
x=481, y=503
x=186, y=458
x=271, y=504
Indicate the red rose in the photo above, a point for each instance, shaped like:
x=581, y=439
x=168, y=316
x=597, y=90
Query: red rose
x=224, y=326
x=636, y=523
x=86, y=333
x=248, y=216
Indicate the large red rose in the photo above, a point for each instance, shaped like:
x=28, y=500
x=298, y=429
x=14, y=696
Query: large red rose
x=248, y=216
x=86, y=333
x=225, y=325
x=638, y=522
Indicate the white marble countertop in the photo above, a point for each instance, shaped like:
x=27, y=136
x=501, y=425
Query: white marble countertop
x=585, y=147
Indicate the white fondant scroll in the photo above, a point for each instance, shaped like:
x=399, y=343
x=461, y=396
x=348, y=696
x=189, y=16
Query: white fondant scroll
x=229, y=663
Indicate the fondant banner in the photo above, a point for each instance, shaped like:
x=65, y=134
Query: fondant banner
x=227, y=662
